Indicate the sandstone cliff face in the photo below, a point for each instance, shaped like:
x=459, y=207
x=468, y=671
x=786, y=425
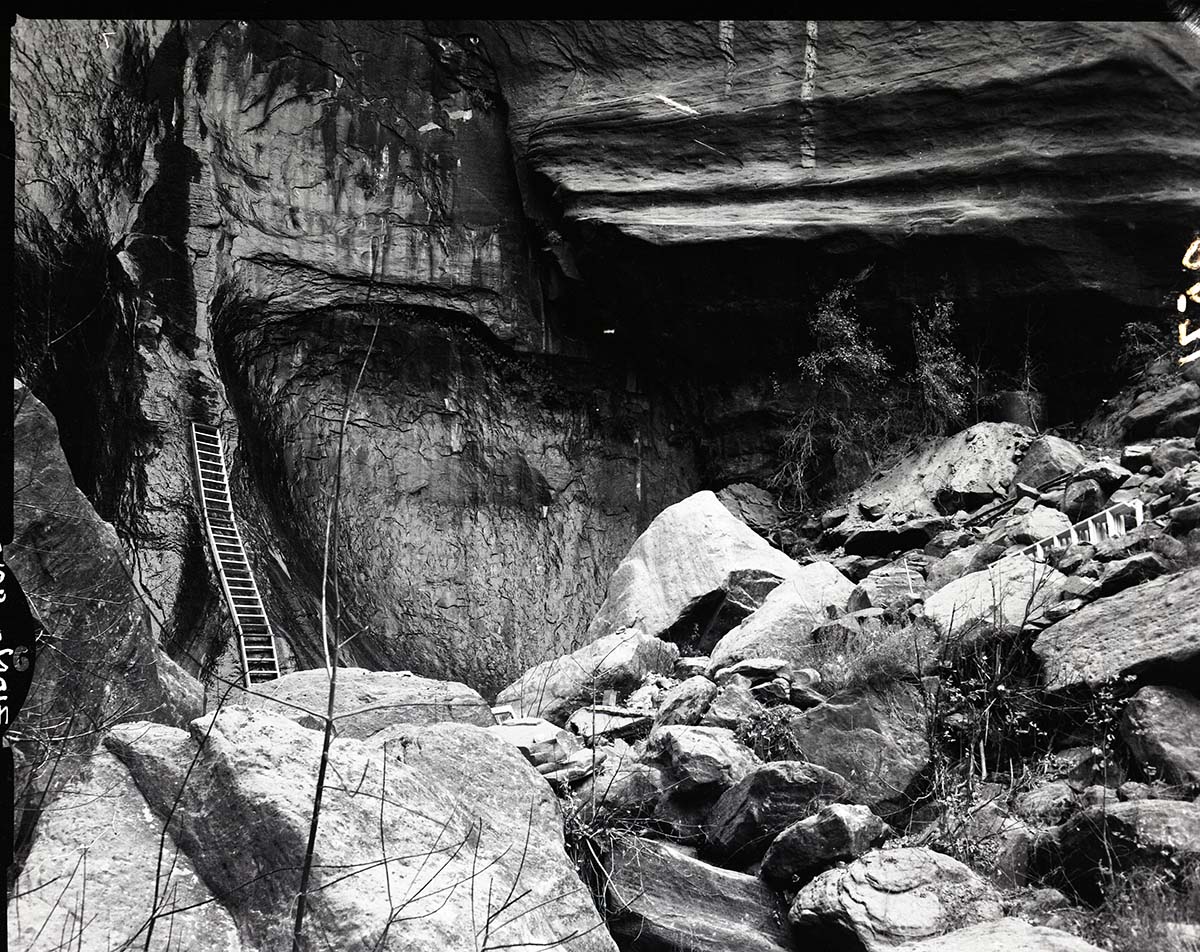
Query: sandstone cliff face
x=589, y=247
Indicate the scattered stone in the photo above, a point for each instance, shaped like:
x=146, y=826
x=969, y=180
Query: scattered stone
x=1161, y=727
x=840, y=832
x=686, y=702
x=675, y=577
x=699, y=757
x=1004, y=935
x=775, y=691
x=1074, y=557
x=834, y=517
x=1082, y=498
x=1040, y=523
x=1147, y=833
x=1136, y=456
x=756, y=669
x=767, y=799
x=1132, y=790
x=1148, y=416
x=751, y=504
x=367, y=702
x=1107, y=473
x=1049, y=803
x=1172, y=453
x=960, y=562
x=892, y=896
x=733, y=705
x=1155, y=625
x=781, y=627
x=555, y=689
x=600, y=722
x=880, y=539
x=689, y=667
x=1047, y=458
x=1120, y=575
x=660, y=897
x=1185, y=518
x=947, y=541
x=876, y=741
x=873, y=509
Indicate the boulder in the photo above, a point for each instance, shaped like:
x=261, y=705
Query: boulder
x=686, y=702
x=769, y=798
x=366, y=702
x=1048, y=803
x=884, y=587
x=838, y=833
x=889, y=897
x=972, y=558
x=693, y=758
x=622, y=786
x=1047, y=458
x=675, y=578
x=97, y=853
x=947, y=541
x=1106, y=472
x=1161, y=727
x=964, y=471
x=599, y=723
x=883, y=538
x=1122, y=573
x=1008, y=592
x=734, y=705
x=1171, y=453
x=453, y=806
x=1150, y=627
x=751, y=504
x=780, y=628
x=1148, y=417
x=661, y=898
x=1009, y=934
x=618, y=662
x=1082, y=498
x=876, y=741
x=756, y=670
x=1121, y=835
x=1040, y=523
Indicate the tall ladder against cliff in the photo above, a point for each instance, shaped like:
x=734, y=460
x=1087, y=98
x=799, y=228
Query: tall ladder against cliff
x=256, y=643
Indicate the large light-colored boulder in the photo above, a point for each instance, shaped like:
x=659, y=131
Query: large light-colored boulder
x=1161, y=727
x=889, y=897
x=661, y=898
x=1153, y=626
x=780, y=628
x=365, y=702
x=427, y=833
x=679, y=569
x=89, y=881
x=752, y=812
x=1008, y=592
x=1005, y=935
x=618, y=662
x=840, y=832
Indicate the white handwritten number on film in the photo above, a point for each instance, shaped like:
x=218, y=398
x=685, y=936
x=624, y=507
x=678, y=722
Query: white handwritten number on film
x=1191, y=261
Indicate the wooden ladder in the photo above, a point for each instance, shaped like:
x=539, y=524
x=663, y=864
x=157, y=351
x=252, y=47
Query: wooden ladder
x=256, y=643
